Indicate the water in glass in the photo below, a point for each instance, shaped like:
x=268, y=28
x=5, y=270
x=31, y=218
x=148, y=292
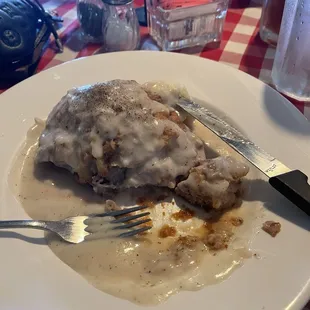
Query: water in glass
x=291, y=68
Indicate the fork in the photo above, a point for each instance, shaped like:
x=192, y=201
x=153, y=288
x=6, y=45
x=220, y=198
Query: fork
x=73, y=229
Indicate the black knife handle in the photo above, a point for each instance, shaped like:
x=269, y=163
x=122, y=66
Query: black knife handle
x=294, y=186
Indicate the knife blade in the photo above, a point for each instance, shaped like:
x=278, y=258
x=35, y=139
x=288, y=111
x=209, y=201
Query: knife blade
x=290, y=183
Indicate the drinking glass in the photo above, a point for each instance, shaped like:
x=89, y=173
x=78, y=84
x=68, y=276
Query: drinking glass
x=270, y=21
x=291, y=68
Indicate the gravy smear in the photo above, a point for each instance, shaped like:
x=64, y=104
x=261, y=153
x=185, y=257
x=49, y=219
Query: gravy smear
x=146, y=269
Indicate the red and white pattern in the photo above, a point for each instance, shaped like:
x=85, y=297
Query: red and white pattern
x=240, y=47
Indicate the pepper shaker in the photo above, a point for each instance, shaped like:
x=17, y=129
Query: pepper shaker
x=90, y=14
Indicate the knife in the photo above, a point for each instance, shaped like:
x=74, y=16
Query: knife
x=292, y=184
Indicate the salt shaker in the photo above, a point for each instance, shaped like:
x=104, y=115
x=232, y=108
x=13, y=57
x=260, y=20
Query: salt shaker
x=120, y=26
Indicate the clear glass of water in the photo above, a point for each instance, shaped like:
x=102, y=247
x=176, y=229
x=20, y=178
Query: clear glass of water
x=291, y=68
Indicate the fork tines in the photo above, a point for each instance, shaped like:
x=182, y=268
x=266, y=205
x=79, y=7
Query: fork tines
x=123, y=211
x=128, y=219
x=134, y=232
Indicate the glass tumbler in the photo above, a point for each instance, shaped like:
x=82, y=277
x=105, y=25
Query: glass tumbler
x=291, y=68
x=270, y=21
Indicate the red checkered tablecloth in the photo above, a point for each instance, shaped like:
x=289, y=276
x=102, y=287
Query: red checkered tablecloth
x=240, y=47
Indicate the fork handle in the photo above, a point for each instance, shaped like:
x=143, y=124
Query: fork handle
x=43, y=225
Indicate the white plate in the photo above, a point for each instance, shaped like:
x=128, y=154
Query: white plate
x=33, y=278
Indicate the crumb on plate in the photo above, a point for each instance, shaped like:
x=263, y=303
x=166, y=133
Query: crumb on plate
x=272, y=228
x=218, y=240
x=167, y=231
x=183, y=215
x=144, y=201
x=236, y=220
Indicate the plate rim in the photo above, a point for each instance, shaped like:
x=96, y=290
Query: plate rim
x=302, y=300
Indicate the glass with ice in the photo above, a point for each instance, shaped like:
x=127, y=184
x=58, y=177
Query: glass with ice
x=291, y=68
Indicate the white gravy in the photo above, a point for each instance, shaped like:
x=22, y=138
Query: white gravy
x=145, y=270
